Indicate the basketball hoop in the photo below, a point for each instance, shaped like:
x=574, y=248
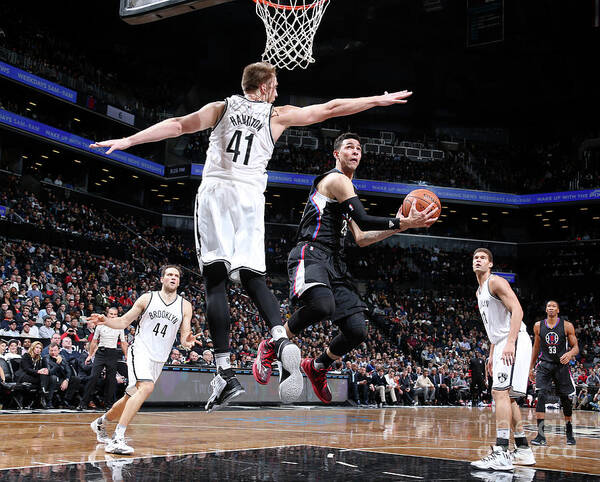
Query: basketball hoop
x=290, y=26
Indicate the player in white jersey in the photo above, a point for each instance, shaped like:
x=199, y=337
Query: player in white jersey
x=162, y=314
x=508, y=363
x=229, y=211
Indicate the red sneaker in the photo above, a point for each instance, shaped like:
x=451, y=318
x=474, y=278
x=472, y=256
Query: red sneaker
x=318, y=378
x=262, y=366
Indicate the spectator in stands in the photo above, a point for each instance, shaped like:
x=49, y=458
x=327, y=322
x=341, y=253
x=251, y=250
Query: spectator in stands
x=13, y=352
x=11, y=330
x=34, y=291
x=363, y=380
x=55, y=338
x=424, y=387
x=583, y=398
x=71, y=333
x=67, y=351
x=64, y=381
x=24, y=348
x=193, y=359
x=405, y=384
x=46, y=331
x=441, y=384
x=175, y=358
x=207, y=359
x=458, y=389
x=381, y=387
x=34, y=370
x=352, y=372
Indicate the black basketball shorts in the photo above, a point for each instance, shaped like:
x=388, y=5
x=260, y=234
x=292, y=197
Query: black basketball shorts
x=310, y=265
x=547, y=372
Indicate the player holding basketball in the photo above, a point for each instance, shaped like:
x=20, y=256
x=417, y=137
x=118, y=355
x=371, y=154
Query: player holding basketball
x=552, y=338
x=510, y=352
x=229, y=211
x=162, y=313
x=319, y=279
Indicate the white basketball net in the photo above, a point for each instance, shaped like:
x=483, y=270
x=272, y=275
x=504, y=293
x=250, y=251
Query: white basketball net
x=290, y=26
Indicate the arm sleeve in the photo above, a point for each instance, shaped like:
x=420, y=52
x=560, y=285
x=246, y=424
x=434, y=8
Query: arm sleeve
x=356, y=211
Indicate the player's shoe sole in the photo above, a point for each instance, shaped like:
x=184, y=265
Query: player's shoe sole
x=291, y=381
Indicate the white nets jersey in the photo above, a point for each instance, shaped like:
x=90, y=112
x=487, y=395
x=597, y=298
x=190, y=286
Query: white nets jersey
x=158, y=326
x=241, y=144
x=495, y=316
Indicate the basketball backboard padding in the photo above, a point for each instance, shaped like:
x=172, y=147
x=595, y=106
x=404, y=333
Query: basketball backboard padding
x=136, y=12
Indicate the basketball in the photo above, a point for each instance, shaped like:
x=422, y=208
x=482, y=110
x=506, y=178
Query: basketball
x=424, y=198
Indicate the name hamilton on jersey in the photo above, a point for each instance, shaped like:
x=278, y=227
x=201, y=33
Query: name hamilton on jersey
x=164, y=314
x=247, y=120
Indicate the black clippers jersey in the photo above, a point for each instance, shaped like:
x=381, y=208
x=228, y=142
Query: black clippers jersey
x=323, y=220
x=553, y=341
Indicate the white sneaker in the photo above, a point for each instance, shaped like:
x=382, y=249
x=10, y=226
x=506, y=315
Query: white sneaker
x=100, y=431
x=118, y=446
x=523, y=456
x=499, y=459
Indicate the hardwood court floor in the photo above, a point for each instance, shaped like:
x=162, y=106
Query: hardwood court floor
x=454, y=433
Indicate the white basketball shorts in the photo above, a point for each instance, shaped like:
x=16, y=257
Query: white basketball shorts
x=229, y=221
x=513, y=377
x=140, y=368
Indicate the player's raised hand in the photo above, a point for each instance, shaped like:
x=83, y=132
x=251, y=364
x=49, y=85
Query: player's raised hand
x=420, y=219
x=394, y=98
x=98, y=319
x=190, y=341
x=113, y=145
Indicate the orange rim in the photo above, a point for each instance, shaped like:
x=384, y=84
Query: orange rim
x=289, y=7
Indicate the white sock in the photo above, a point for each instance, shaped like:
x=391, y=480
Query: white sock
x=223, y=360
x=101, y=420
x=503, y=433
x=120, y=431
x=278, y=332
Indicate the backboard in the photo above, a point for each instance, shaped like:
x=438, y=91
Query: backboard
x=144, y=11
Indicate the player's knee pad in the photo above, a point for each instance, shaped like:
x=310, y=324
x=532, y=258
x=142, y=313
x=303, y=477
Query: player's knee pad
x=320, y=301
x=353, y=332
x=541, y=402
x=567, y=405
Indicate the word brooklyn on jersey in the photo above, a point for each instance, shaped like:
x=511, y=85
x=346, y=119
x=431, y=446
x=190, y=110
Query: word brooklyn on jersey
x=163, y=314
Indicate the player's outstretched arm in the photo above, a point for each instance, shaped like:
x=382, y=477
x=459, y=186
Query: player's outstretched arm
x=288, y=116
x=122, y=322
x=200, y=120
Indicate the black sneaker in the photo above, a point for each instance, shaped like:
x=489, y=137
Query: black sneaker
x=225, y=387
x=539, y=440
x=570, y=439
